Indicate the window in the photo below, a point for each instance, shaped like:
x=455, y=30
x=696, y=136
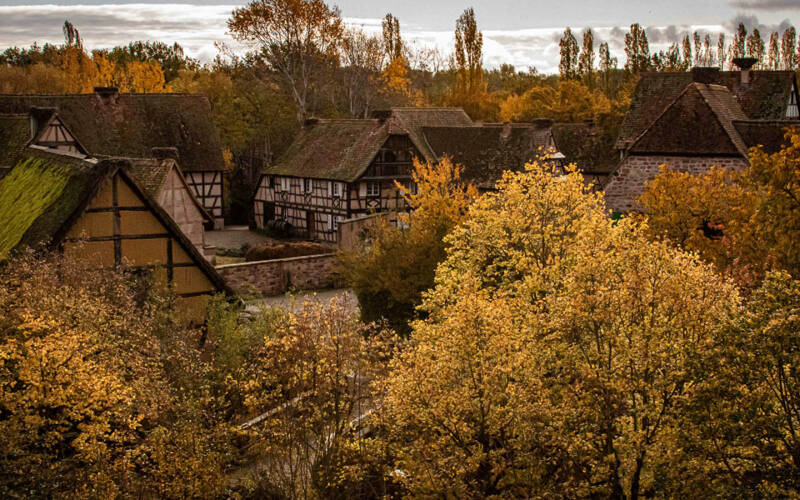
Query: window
x=336, y=189
x=283, y=184
x=271, y=182
x=333, y=222
x=373, y=188
x=307, y=185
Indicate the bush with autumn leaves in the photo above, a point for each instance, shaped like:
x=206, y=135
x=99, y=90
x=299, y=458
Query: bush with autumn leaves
x=555, y=353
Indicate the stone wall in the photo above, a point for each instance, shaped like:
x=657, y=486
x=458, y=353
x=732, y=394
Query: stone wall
x=276, y=277
x=627, y=183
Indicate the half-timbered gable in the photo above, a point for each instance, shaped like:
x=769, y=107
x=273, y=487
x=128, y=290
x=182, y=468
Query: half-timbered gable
x=339, y=169
x=97, y=208
x=131, y=125
x=164, y=182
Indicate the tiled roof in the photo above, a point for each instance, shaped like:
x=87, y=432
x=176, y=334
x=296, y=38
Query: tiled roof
x=46, y=191
x=487, y=150
x=765, y=97
x=150, y=174
x=698, y=122
x=769, y=134
x=132, y=124
x=15, y=132
x=585, y=145
x=343, y=149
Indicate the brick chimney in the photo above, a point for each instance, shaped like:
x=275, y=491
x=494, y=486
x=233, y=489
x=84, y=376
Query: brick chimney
x=705, y=75
x=107, y=95
x=745, y=64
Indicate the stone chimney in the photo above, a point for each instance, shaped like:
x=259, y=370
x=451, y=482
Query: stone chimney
x=506, y=132
x=744, y=64
x=165, y=153
x=705, y=75
x=107, y=95
x=381, y=114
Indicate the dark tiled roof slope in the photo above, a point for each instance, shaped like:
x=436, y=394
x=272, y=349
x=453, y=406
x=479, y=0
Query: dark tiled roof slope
x=764, y=98
x=698, y=122
x=15, y=132
x=486, y=151
x=767, y=134
x=413, y=120
x=585, y=145
x=132, y=124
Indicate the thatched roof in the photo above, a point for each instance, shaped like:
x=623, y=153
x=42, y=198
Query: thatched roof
x=15, y=132
x=487, y=150
x=766, y=97
x=343, y=149
x=698, y=122
x=46, y=192
x=132, y=124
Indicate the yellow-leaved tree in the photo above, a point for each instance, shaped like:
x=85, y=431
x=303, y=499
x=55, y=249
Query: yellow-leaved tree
x=391, y=268
x=559, y=353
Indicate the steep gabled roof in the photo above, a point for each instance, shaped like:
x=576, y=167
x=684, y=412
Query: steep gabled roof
x=586, y=146
x=46, y=192
x=698, y=122
x=343, y=149
x=15, y=132
x=765, y=97
x=413, y=120
x=486, y=151
x=332, y=149
x=132, y=124
x=768, y=134
x=151, y=173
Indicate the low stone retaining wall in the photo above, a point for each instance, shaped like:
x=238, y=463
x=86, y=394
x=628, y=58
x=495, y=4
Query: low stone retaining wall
x=276, y=277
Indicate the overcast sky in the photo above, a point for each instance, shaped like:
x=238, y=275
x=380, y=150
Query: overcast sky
x=520, y=32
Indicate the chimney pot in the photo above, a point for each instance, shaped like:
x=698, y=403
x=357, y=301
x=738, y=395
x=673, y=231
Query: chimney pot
x=745, y=63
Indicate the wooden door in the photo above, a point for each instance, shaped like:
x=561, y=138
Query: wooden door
x=310, y=223
x=268, y=211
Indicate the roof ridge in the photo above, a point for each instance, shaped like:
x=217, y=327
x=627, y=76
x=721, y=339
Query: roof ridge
x=725, y=122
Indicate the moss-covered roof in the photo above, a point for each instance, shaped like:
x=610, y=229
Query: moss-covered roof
x=343, y=149
x=40, y=194
x=765, y=97
x=132, y=124
x=15, y=132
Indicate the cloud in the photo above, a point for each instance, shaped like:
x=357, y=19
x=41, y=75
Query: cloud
x=198, y=27
x=769, y=5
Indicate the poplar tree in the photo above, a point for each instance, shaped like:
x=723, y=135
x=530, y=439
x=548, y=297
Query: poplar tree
x=607, y=64
x=637, y=50
x=739, y=41
x=469, y=52
x=721, y=51
x=392, y=41
x=568, y=47
x=755, y=47
x=774, y=53
x=586, y=59
x=687, y=52
x=698, y=52
x=788, y=54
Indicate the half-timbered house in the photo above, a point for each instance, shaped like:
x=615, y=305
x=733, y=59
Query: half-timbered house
x=109, y=123
x=97, y=208
x=163, y=180
x=693, y=121
x=339, y=169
